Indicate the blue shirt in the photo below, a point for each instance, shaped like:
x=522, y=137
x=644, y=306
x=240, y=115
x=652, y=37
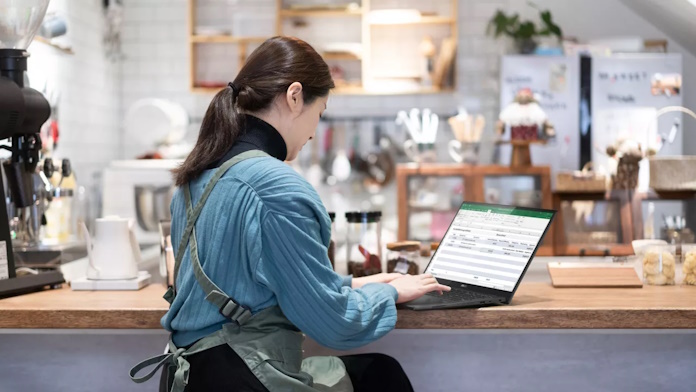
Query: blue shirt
x=262, y=238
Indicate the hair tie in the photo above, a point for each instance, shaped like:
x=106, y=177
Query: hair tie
x=235, y=89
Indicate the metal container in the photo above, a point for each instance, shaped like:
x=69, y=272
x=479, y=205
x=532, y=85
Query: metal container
x=152, y=205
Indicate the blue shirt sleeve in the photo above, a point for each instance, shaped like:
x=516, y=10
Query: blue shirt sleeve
x=348, y=281
x=295, y=266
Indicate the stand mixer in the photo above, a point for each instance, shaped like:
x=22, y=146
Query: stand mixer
x=23, y=111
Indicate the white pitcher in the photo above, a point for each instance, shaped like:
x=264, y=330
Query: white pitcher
x=113, y=252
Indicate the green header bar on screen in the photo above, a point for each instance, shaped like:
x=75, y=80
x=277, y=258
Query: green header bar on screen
x=507, y=211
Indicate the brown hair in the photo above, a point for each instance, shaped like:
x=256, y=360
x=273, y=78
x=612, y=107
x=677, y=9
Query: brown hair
x=269, y=71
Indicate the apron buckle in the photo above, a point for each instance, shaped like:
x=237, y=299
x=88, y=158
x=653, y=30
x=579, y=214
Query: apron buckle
x=235, y=312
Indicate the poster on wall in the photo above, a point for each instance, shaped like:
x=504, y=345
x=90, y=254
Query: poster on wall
x=554, y=81
x=627, y=91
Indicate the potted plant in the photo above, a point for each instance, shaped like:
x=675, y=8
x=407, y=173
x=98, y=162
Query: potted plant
x=524, y=33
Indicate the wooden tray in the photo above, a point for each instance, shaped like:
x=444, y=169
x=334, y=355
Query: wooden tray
x=595, y=275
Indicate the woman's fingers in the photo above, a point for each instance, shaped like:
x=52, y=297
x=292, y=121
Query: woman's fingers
x=436, y=287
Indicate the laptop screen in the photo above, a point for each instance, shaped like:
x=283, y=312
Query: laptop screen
x=489, y=246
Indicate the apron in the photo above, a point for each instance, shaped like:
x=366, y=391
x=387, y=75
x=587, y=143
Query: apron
x=269, y=344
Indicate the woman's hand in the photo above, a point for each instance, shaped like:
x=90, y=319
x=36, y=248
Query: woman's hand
x=377, y=278
x=411, y=287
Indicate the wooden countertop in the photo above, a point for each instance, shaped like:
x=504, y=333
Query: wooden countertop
x=535, y=306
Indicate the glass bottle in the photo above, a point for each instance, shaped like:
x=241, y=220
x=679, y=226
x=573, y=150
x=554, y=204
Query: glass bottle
x=364, y=243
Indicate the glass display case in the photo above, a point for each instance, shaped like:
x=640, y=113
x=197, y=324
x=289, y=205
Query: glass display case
x=665, y=216
x=593, y=224
x=429, y=195
x=433, y=202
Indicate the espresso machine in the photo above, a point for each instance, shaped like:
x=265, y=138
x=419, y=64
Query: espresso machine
x=23, y=111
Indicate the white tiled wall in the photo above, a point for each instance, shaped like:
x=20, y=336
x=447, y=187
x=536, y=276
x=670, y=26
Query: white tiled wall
x=157, y=65
x=88, y=84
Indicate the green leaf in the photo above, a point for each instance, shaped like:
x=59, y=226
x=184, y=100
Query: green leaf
x=526, y=30
x=551, y=27
x=502, y=24
x=546, y=17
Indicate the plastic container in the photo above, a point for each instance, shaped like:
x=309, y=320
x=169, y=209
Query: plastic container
x=689, y=264
x=661, y=265
x=332, y=243
x=403, y=257
x=364, y=243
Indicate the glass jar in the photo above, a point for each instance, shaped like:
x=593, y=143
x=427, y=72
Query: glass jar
x=689, y=264
x=403, y=257
x=166, y=253
x=364, y=243
x=332, y=243
x=659, y=264
x=59, y=215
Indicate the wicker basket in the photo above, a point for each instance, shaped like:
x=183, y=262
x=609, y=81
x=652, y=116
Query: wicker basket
x=581, y=181
x=675, y=173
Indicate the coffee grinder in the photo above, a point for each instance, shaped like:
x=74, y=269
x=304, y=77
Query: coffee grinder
x=23, y=111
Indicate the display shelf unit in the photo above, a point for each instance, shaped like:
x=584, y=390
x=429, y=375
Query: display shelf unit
x=290, y=13
x=226, y=39
x=564, y=246
x=62, y=48
x=630, y=217
x=423, y=20
x=362, y=13
x=639, y=198
x=473, y=183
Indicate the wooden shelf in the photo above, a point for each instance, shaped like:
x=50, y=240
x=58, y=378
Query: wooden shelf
x=226, y=39
x=361, y=15
x=64, y=49
x=424, y=20
x=342, y=90
x=458, y=169
x=359, y=90
x=206, y=90
x=286, y=13
x=340, y=56
x=652, y=195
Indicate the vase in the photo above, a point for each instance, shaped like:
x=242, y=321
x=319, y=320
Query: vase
x=526, y=46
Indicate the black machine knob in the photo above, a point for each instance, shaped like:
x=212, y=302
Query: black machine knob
x=66, y=168
x=48, y=167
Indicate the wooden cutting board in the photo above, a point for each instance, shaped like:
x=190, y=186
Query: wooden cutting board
x=579, y=274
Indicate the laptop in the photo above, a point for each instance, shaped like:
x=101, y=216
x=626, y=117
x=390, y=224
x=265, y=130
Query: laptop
x=484, y=255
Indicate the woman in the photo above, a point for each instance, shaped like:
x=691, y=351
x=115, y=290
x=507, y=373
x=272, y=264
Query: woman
x=245, y=225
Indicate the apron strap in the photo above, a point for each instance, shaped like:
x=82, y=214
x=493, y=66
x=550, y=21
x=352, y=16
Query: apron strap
x=192, y=214
x=181, y=374
x=176, y=357
x=213, y=294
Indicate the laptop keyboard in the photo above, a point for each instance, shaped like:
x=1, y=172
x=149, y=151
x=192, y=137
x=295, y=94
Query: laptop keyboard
x=460, y=296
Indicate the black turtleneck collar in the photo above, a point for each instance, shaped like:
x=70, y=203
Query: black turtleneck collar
x=257, y=135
